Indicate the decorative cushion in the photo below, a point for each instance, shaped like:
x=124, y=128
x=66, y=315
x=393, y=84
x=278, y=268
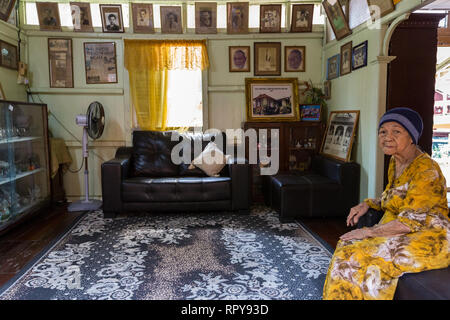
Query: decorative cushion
x=211, y=160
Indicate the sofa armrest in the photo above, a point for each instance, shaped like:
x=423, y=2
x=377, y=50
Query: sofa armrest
x=114, y=172
x=240, y=174
x=371, y=218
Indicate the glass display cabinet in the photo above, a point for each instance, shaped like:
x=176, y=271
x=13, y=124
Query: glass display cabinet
x=24, y=161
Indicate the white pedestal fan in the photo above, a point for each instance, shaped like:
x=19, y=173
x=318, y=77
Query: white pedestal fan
x=93, y=124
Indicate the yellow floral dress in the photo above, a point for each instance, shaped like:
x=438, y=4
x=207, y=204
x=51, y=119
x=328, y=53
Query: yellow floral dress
x=370, y=268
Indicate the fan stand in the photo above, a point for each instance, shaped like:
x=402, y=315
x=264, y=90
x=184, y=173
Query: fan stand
x=86, y=204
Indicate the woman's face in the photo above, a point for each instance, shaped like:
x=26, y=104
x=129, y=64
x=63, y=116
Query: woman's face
x=393, y=138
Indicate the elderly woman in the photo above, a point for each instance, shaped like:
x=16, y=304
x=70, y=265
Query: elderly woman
x=414, y=232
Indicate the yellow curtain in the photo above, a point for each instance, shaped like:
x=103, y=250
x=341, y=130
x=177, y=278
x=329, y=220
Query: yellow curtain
x=147, y=62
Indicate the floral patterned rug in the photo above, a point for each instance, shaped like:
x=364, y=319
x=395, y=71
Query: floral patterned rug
x=217, y=256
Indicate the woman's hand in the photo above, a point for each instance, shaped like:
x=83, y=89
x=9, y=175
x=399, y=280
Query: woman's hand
x=356, y=212
x=357, y=234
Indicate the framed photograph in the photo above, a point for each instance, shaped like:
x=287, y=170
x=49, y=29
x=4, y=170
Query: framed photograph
x=205, y=17
x=270, y=18
x=239, y=58
x=327, y=89
x=2, y=93
x=267, y=58
x=345, y=5
x=346, y=58
x=359, y=55
x=81, y=16
x=340, y=133
x=272, y=99
x=100, y=62
x=60, y=62
x=112, y=21
x=337, y=18
x=6, y=7
x=143, y=18
x=237, y=17
x=8, y=55
x=333, y=67
x=302, y=16
x=310, y=112
x=294, y=58
x=384, y=7
x=48, y=14
x=171, y=19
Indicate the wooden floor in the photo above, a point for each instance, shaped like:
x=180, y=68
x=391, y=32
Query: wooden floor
x=21, y=244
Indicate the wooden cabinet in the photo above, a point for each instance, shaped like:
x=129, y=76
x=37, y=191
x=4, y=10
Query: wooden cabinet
x=298, y=142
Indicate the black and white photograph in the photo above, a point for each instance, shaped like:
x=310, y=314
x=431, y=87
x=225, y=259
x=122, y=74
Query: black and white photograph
x=270, y=18
x=171, y=19
x=143, y=18
x=346, y=58
x=205, y=17
x=359, y=55
x=48, y=14
x=340, y=134
x=333, y=65
x=6, y=6
x=81, y=16
x=112, y=20
x=302, y=17
x=239, y=58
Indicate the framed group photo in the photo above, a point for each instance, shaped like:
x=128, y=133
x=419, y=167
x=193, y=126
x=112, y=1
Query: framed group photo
x=340, y=133
x=333, y=64
x=143, y=18
x=60, y=62
x=100, y=62
x=294, y=58
x=8, y=56
x=337, y=18
x=267, y=58
x=272, y=99
x=6, y=6
x=237, y=17
x=239, y=58
x=302, y=17
x=48, y=15
x=346, y=58
x=112, y=21
x=359, y=55
x=81, y=16
x=270, y=18
x=171, y=19
x=205, y=17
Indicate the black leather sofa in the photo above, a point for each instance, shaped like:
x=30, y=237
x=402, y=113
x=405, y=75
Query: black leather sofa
x=143, y=178
x=426, y=285
x=330, y=189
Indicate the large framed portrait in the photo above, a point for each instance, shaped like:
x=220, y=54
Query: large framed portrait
x=100, y=62
x=380, y=8
x=171, y=19
x=333, y=67
x=272, y=99
x=143, y=18
x=6, y=7
x=359, y=55
x=340, y=133
x=60, y=62
x=112, y=21
x=8, y=55
x=337, y=18
x=81, y=16
x=270, y=18
x=302, y=16
x=48, y=14
x=294, y=58
x=205, y=17
x=346, y=58
x=237, y=17
x=239, y=58
x=267, y=58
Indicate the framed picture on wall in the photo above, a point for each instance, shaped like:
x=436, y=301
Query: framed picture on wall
x=359, y=55
x=380, y=8
x=6, y=6
x=143, y=18
x=327, y=89
x=81, y=16
x=48, y=14
x=337, y=18
x=345, y=5
x=267, y=58
x=237, y=17
x=112, y=21
x=100, y=62
x=346, y=58
x=60, y=62
x=302, y=16
x=8, y=55
x=270, y=18
x=333, y=67
x=171, y=19
x=310, y=112
x=294, y=58
x=205, y=17
x=340, y=133
x=272, y=99
x=239, y=58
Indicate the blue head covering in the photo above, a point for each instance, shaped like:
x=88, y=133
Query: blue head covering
x=407, y=118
